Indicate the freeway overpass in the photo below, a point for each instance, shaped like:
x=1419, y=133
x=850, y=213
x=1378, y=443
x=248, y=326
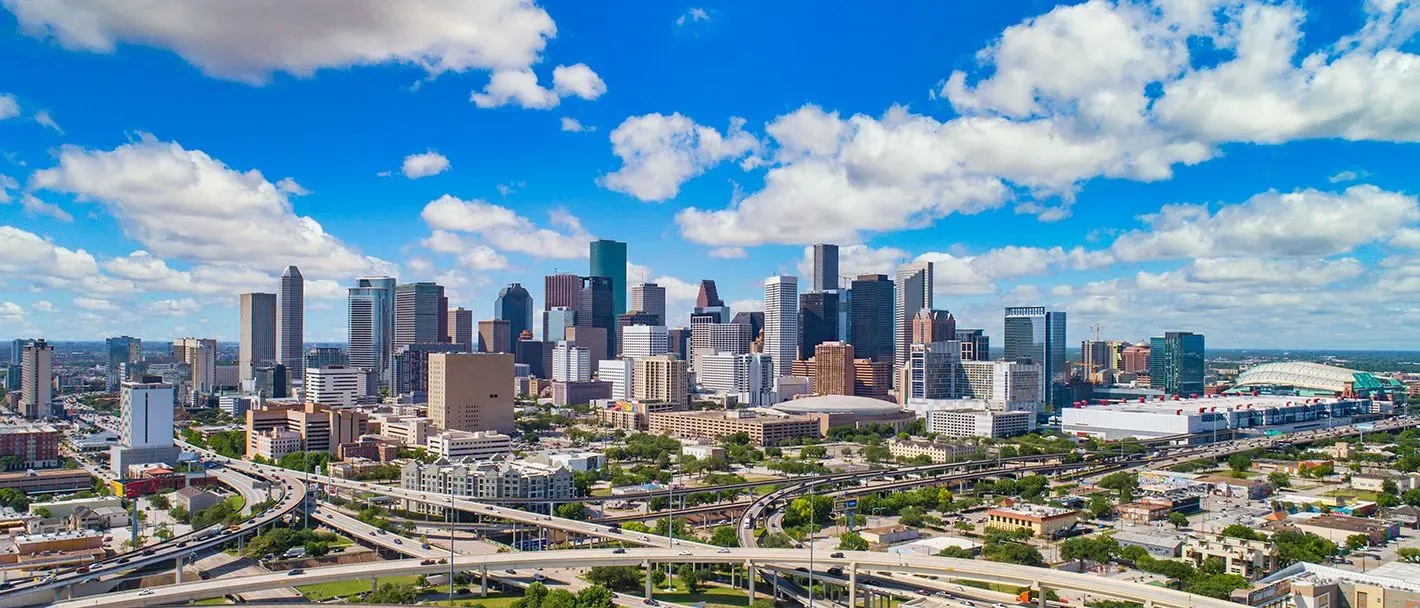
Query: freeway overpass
x=852, y=562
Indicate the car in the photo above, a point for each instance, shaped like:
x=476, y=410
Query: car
x=722, y=550
x=146, y=592
x=148, y=552
x=295, y=572
x=539, y=577
x=124, y=560
x=398, y=542
x=686, y=553
x=443, y=560
x=645, y=538
x=511, y=571
x=618, y=550
x=652, y=602
x=424, y=546
x=836, y=555
x=83, y=570
x=427, y=562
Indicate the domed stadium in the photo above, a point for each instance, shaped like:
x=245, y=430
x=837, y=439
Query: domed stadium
x=1315, y=379
x=849, y=410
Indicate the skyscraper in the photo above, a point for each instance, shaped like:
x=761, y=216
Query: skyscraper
x=1176, y=363
x=596, y=307
x=825, y=267
x=561, y=290
x=709, y=308
x=755, y=321
x=818, y=320
x=1031, y=333
x=555, y=322
x=291, y=320
x=17, y=350
x=514, y=305
x=460, y=328
x=834, y=368
x=471, y=391
x=912, y=291
x=256, y=340
x=121, y=350
x=371, y=325
x=608, y=259
x=708, y=295
x=872, y=317
x=975, y=344
x=781, y=321
x=37, y=379
x=201, y=355
x=930, y=326
x=650, y=298
x=419, y=314
x=493, y=336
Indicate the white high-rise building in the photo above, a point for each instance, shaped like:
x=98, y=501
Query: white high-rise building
x=711, y=338
x=571, y=363
x=337, y=385
x=257, y=340
x=781, y=322
x=291, y=320
x=650, y=297
x=146, y=411
x=621, y=373
x=645, y=341
x=371, y=327
x=912, y=291
x=37, y=379
x=750, y=377
x=555, y=322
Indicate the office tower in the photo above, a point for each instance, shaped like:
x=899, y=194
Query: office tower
x=1096, y=356
x=146, y=415
x=17, y=349
x=596, y=307
x=712, y=338
x=471, y=392
x=708, y=296
x=514, y=305
x=608, y=259
x=561, y=290
x=633, y=318
x=1134, y=358
x=121, y=350
x=975, y=345
x=270, y=380
x=755, y=321
x=291, y=319
x=555, y=322
x=493, y=336
x=537, y=355
x=818, y=320
x=1035, y=335
x=781, y=321
x=418, y=315
x=750, y=377
x=591, y=338
x=1176, y=363
x=709, y=308
x=872, y=317
x=460, y=329
x=338, y=386
x=256, y=340
x=371, y=326
x=571, y=363
x=409, y=368
x=680, y=342
x=871, y=379
x=645, y=341
x=933, y=326
x=621, y=374
x=912, y=291
x=834, y=371
x=36, y=379
x=201, y=355
x=650, y=298
x=825, y=267
x=324, y=356
x=663, y=379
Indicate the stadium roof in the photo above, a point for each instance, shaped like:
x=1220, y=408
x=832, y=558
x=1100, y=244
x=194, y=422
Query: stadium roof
x=1314, y=376
x=839, y=404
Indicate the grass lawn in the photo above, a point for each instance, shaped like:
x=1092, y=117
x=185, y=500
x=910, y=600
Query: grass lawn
x=762, y=490
x=601, y=492
x=325, y=591
x=1350, y=493
x=494, y=600
x=712, y=596
x=211, y=601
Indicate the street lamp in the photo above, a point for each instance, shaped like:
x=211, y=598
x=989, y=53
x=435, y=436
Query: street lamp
x=449, y=516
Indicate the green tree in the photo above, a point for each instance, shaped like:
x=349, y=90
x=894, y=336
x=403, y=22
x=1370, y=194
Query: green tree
x=1240, y=462
x=14, y=499
x=1123, y=482
x=957, y=552
x=911, y=517
x=1358, y=541
x=1178, y=520
x=1100, y=506
x=160, y=501
x=1279, y=479
x=1219, y=586
x=559, y=598
x=179, y=514
x=1408, y=554
x=805, y=509
x=1014, y=553
x=42, y=513
x=615, y=578
x=1411, y=497
x=689, y=577
x=1087, y=548
x=532, y=596
x=595, y=596
x=816, y=452
x=1389, y=487
x=725, y=536
x=1243, y=532
x=778, y=540
x=11, y=462
x=163, y=533
x=1387, y=500
x=572, y=510
x=852, y=541
x=1293, y=547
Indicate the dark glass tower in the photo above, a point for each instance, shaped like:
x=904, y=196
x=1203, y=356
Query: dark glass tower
x=514, y=305
x=1031, y=333
x=1176, y=363
x=608, y=259
x=871, y=321
x=818, y=320
x=595, y=308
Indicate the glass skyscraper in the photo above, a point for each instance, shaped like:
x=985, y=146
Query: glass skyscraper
x=871, y=317
x=514, y=305
x=608, y=259
x=123, y=349
x=1037, y=335
x=1176, y=363
x=371, y=326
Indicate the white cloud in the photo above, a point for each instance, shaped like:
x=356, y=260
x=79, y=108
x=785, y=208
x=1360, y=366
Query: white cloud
x=289, y=186
x=24, y=253
x=9, y=108
x=728, y=253
x=691, y=16
x=471, y=255
x=172, y=307
x=505, y=230
x=1227, y=275
x=1344, y=176
x=185, y=204
x=11, y=312
x=34, y=206
x=95, y=304
x=1301, y=223
x=572, y=125
x=854, y=260
x=426, y=164
x=659, y=153
x=248, y=41
x=45, y=120
x=519, y=87
x=44, y=306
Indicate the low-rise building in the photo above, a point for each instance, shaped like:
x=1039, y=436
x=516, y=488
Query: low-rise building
x=765, y=427
x=702, y=451
x=631, y=415
x=1159, y=544
x=1376, y=482
x=1143, y=511
x=479, y=445
x=1042, y=521
x=1306, y=585
x=887, y=535
x=580, y=462
x=1246, y=558
x=410, y=431
x=1336, y=528
x=272, y=444
x=938, y=451
x=35, y=444
x=47, y=481
x=572, y=393
x=1251, y=489
x=101, y=518
x=195, y=499
x=495, y=478
x=980, y=423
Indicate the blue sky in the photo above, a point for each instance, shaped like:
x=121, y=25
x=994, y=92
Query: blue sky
x=1240, y=168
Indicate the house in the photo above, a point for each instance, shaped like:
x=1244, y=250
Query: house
x=1160, y=545
x=195, y=499
x=1143, y=511
x=1247, y=558
x=886, y=535
x=1405, y=515
x=1042, y=521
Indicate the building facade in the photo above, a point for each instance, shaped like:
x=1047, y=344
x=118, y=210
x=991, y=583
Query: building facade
x=871, y=317
x=36, y=379
x=662, y=378
x=571, y=363
x=912, y=292
x=980, y=423
x=460, y=328
x=370, y=332
x=514, y=305
x=650, y=298
x=494, y=336
x=1176, y=363
x=645, y=341
x=1032, y=333
x=421, y=314
x=291, y=320
x=471, y=392
x=781, y=321
x=480, y=445
x=825, y=267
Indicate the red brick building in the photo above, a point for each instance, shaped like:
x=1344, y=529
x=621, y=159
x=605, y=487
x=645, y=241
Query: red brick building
x=36, y=445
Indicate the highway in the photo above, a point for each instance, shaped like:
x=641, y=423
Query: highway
x=852, y=562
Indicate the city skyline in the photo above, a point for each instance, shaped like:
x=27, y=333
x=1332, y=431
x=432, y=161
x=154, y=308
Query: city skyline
x=1188, y=205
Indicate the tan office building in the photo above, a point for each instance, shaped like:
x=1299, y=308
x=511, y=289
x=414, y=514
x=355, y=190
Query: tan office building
x=833, y=368
x=471, y=392
x=764, y=427
x=1045, y=522
x=661, y=378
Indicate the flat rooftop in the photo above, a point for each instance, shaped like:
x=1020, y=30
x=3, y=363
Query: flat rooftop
x=1171, y=406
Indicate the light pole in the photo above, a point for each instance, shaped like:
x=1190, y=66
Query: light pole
x=449, y=517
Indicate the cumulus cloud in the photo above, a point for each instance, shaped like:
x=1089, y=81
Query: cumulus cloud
x=520, y=87
x=184, y=203
x=247, y=41
x=505, y=230
x=728, y=253
x=45, y=120
x=572, y=125
x=659, y=153
x=9, y=108
x=289, y=186
x=691, y=16
x=34, y=206
x=95, y=304
x=426, y=164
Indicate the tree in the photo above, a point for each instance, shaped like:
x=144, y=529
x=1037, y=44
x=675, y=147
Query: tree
x=1357, y=541
x=164, y=532
x=1408, y=554
x=559, y=598
x=42, y=513
x=1014, y=553
x=532, y=597
x=1100, y=506
x=1389, y=487
x=179, y=514
x=1178, y=520
x=778, y=540
x=595, y=596
x=816, y=452
x=1293, y=547
x=1240, y=462
x=572, y=510
x=876, y=453
x=852, y=541
x=911, y=517
x=1218, y=586
x=689, y=577
x=160, y=501
x=1123, y=482
x=15, y=499
x=1087, y=548
x=957, y=552
x=805, y=509
x=1411, y=497
x=1387, y=500
x=11, y=462
x=725, y=536
x=1243, y=532
x=616, y=578
x=1279, y=479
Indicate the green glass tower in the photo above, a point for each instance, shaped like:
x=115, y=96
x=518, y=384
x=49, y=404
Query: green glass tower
x=609, y=260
